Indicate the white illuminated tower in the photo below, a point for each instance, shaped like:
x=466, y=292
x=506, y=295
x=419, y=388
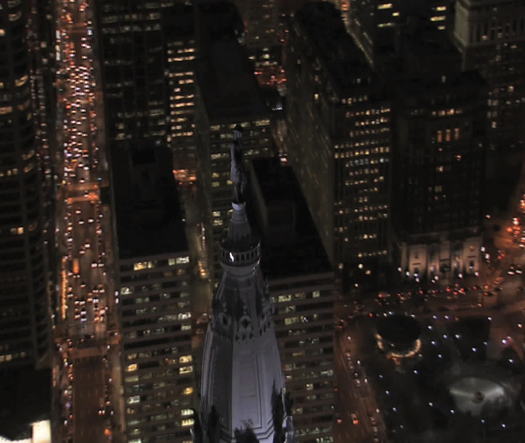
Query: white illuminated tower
x=242, y=389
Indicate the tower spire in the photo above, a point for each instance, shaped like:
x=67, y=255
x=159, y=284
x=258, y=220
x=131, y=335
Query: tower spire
x=242, y=387
x=237, y=171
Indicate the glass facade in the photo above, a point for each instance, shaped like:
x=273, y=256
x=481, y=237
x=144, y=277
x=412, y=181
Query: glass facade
x=23, y=317
x=157, y=359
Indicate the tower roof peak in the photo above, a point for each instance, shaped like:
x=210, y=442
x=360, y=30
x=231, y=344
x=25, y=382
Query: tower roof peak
x=240, y=246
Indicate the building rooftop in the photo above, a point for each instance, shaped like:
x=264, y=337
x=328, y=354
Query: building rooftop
x=25, y=397
x=227, y=83
x=290, y=243
x=344, y=61
x=178, y=22
x=149, y=217
x=225, y=74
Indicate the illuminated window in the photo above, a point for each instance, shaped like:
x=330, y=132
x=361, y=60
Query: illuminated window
x=15, y=16
x=186, y=412
x=21, y=80
x=187, y=391
x=181, y=260
x=131, y=368
x=291, y=320
x=188, y=422
x=385, y=6
x=134, y=400
x=284, y=298
x=139, y=266
x=126, y=291
x=185, y=369
x=185, y=359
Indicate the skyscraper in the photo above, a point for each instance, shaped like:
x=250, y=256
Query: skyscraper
x=153, y=283
x=242, y=388
x=339, y=134
x=263, y=35
x=133, y=64
x=24, y=314
x=439, y=158
x=180, y=45
x=376, y=23
x=491, y=38
x=303, y=289
x=227, y=96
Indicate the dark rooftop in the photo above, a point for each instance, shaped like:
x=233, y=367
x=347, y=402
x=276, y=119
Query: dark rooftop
x=326, y=31
x=290, y=242
x=227, y=83
x=25, y=397
x=149, y=215
x=178, y=22
x=225, y=75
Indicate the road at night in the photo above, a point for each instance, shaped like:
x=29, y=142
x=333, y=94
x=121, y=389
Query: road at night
x=369, y=382
x=89, y=375
x=84, y=231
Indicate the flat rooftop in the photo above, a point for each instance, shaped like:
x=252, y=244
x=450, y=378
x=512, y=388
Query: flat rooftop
x=178, y=22
x=25, y=397
x=290, y=243
x=227, y=83
x=325, y=29
x=149, y=216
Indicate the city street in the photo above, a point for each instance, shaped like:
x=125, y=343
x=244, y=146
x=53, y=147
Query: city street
x=362, y=422
x=371, y=390
x=84, y=234
x=89, y=377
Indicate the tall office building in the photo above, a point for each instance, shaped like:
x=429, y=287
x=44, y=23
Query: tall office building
x=43, y=75
x=153, y=284
x=340, y=141
x=24, y=305
x=261, y=23
x=243, y=397
x=180, y=45
x=133, y=62
x=227, y=96
x=439, y=158
x=148, y=53
x=491, y=38
x=263, y=35
x=302, y=288
x=42, y=44
x=375, y=23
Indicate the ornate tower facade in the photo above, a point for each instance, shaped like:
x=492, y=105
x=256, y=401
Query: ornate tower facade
x=242, y=389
